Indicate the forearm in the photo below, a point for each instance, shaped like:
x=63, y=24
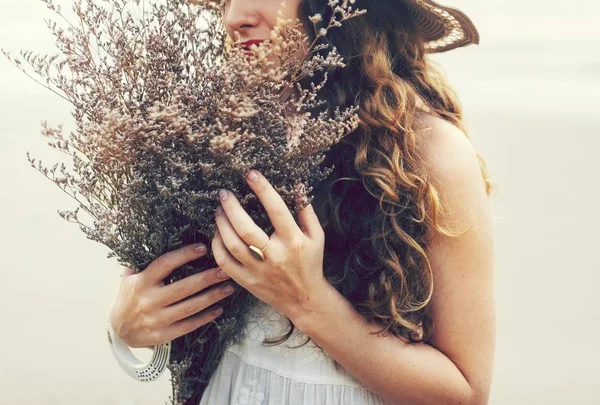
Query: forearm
x=401, y=373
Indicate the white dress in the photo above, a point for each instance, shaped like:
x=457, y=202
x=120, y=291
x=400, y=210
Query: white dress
x=252, y=374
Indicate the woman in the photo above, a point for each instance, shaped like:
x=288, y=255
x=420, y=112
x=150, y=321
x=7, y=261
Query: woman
x=398, y=238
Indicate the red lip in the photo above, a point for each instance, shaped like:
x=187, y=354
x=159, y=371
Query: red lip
x=248, y=44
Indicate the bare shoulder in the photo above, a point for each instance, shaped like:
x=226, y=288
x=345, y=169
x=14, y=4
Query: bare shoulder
x=454, y=171
x=449, y=155
x=444, y=147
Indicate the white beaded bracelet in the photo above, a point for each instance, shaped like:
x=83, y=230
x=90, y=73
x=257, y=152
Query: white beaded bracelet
x=132, y=365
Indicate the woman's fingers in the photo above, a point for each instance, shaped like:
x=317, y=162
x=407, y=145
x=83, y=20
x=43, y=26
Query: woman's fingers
x=193, y=305
x=243, y=226
x=190, y=324
x=164, y=265
x=282, y=219
x=183, y=288
x=154, y=313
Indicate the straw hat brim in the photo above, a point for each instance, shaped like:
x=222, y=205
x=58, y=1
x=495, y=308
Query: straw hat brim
x=443, y=27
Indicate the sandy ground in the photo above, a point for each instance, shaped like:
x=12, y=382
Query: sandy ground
x=530, y=99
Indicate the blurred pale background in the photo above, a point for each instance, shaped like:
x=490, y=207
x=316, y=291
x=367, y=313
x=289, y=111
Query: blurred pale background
x=530, y=95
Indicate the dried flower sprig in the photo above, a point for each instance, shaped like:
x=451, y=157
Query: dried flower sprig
x=166, y=114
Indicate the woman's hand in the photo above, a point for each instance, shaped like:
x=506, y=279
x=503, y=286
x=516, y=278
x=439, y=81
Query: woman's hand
x=147, y=312
x=292, y=272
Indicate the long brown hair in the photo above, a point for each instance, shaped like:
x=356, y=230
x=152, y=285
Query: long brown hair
x=379, y=207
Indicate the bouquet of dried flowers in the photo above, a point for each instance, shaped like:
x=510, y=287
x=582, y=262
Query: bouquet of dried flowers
x=167, y=113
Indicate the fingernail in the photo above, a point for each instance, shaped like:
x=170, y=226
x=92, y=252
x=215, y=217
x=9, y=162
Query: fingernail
x=253, y=176
x=217, y=311
x=219, y=210
x=227, y=290
x=222, y=194
x=200, y=248
x=222, y=274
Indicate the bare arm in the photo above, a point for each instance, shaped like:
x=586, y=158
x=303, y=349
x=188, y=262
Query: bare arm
x=457, y=369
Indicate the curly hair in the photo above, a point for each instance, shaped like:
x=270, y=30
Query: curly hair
x=379, y=208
